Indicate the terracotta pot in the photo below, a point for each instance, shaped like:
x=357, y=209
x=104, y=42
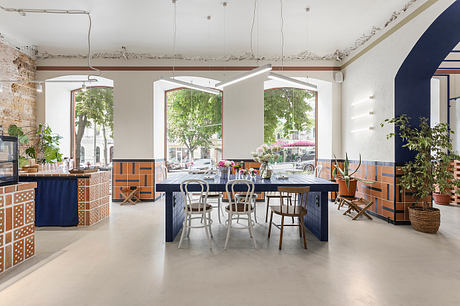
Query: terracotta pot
x=441, y=199
x=425, y=220
x=343, y=191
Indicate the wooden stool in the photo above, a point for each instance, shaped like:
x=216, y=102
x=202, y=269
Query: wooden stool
x=360, y=206
x=342, y=200
x=130, y=195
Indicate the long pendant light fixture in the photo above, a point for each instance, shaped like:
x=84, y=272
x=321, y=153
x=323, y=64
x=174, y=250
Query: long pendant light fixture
x=191, y=85
x=245, y=76
x=173, y=80
x=301, y=84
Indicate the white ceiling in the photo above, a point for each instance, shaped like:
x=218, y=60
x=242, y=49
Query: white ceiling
x=146, y=26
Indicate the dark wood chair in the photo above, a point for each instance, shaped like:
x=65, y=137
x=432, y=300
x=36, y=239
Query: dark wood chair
x=293, y=203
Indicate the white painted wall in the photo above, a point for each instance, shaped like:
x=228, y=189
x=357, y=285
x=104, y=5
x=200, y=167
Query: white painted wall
x=374, y=73
x=57, y=113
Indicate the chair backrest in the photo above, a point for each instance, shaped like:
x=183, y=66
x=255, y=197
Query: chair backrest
x=295, y=197
x=318, y=170
x=245, y=189
x=201, y=193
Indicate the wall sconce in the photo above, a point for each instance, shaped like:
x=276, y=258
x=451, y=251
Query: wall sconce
x=368, y=114
x=370, y=128
x=366, y=100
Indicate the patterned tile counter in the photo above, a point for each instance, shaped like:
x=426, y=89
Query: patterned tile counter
x=92, y=193
x=17, y=230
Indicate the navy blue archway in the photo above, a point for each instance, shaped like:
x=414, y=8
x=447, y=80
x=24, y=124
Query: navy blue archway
x=412, y=82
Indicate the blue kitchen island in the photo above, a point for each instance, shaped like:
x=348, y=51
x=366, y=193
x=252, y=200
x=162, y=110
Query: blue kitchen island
x=316, y=219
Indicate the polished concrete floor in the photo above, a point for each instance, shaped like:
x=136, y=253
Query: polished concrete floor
x=124, y=261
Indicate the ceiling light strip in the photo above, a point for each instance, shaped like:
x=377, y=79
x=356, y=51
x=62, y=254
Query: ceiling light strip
x=245, y=76
x=301, y=84
x=191, y=85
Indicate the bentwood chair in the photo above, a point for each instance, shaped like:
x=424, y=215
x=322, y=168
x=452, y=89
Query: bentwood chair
x=215, y=195
x=196, y=206
x=241, y=206
x=295, y=207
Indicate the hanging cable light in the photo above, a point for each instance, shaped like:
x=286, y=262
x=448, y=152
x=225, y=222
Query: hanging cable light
x=173, y=80
x=23, y=12
x=83, y=87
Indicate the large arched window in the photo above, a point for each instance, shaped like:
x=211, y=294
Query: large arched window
x=290, y=121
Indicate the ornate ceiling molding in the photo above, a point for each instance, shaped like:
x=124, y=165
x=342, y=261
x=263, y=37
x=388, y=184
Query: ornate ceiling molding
x=306, y=55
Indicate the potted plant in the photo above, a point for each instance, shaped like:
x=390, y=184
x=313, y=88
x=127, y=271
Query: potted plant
x=45, y=148
x=429, y=171
x=347, y=182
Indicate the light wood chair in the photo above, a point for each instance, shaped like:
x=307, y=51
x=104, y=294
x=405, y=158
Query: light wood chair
x=130, y=195
x=295, y=207
x=241, y=206
x=196, y=206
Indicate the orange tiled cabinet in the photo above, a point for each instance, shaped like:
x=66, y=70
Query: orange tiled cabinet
x=17, y=229
x=94, y=198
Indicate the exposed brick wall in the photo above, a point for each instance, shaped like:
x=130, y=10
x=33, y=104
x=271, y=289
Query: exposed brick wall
x=18, y=100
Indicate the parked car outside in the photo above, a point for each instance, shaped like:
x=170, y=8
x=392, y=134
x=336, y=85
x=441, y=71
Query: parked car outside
x=202, y=164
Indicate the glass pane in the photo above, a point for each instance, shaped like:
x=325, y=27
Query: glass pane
x=194, y=130
x=93, y=127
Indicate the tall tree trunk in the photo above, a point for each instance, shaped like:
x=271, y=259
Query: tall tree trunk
x=94, y=143
x=105, y=145
x=81, y=125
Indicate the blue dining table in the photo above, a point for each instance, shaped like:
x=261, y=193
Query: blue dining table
x=316, y=219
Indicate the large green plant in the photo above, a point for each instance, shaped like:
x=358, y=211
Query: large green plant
x=344, y=174
x=45, y=149
x=429, y=169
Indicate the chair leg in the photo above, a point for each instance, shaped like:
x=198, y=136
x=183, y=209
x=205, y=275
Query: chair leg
x=281, y=232
x=254, y=202
x=300, y=228
x=266, y=210
x=189, y=226
x=209, y=224
x=218, y=209
x=251, y=230
x=207, y=229
x=304, y=237
x=184, y=228
x=229, y=226
x=270, y=225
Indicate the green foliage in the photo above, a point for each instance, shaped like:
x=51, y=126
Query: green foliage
x=344, y=174
x=193, y=117
x=430, y=167
x=14, y=130
x=46, y=149
x=286, y=109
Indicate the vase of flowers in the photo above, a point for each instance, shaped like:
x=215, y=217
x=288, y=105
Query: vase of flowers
x=244, y=174
x=225, y=167
x=264, y=154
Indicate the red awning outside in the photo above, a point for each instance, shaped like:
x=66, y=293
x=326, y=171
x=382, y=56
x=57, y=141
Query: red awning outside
x=301, y=143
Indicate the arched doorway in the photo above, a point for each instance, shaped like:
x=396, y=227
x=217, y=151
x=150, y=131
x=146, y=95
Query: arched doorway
x=413, y=80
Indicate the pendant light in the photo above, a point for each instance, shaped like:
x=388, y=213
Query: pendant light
x=173, y=80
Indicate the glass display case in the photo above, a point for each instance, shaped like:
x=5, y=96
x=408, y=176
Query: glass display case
x=8, y=160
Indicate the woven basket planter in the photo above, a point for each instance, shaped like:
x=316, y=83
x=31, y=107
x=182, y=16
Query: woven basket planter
x=425, y=220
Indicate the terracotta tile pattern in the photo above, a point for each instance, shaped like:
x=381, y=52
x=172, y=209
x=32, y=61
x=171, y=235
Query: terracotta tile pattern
x=94, y=198
x=17, y=229
x=137, y=173
x=455, y=196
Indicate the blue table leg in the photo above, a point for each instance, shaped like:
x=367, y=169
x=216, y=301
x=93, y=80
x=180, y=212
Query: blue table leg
x=317, y=219
x=174, y=215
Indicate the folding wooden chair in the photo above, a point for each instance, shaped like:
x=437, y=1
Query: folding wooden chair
x=130, y=195
x=360, y=206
